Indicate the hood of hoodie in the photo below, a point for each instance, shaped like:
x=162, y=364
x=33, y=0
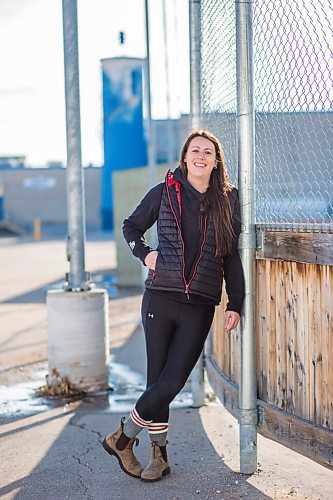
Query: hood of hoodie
x=192, y=194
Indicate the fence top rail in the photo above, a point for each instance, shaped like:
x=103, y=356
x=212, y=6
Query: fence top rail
x=294, y=226
x=305, y=247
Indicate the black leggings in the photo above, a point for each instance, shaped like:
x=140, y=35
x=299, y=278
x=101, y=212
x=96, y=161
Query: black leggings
x=175, y=336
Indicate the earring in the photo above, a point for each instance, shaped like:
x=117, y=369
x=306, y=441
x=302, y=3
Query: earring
x=215, y=168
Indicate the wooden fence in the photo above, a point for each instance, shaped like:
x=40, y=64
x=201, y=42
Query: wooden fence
x=294, y=344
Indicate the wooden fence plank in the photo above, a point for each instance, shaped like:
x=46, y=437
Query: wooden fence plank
x=280, y=326
x=271, y=333
x=236, y=339
x=267, y=333
x=325, y=331
x=262, y=378
x=290, y=334
x=328, y=326
x=311, y=248
x=301, y=361
x=318, y=351
x=311, y=345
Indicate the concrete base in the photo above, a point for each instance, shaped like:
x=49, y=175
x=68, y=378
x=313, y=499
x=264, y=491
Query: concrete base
x=78, y=337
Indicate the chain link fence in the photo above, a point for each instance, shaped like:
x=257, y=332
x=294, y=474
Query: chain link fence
x=293, y=81
x=218, y=76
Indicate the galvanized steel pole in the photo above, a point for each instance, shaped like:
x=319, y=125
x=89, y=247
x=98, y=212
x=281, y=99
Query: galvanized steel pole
x=195, y=62
x=197, y=376
x=150, y=128
x=75, y=180
x=170, y=150
x=248, y=413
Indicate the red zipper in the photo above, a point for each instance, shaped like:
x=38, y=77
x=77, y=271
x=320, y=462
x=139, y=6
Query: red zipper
x=187, y=285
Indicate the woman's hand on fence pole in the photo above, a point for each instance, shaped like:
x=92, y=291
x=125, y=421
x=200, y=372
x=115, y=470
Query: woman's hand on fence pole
x=231, y=320
x=150, y=259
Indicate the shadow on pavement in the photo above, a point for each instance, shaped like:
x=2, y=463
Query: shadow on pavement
x=103, y=278
x=76, y=466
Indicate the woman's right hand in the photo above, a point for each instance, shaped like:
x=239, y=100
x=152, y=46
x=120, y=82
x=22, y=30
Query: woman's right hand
x=150, y=259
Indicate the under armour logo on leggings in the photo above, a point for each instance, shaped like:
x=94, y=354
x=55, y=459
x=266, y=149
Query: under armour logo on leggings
x=150, y=315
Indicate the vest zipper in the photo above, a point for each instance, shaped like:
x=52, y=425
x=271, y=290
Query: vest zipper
x=200, y=254
x=187, y=285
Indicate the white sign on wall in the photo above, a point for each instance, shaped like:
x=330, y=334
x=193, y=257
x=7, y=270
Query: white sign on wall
x=40, y=183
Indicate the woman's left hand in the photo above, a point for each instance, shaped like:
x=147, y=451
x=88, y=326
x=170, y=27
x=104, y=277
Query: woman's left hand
x=231, y=320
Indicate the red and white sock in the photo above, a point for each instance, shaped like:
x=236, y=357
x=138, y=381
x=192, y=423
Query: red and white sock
x=158, y=432
x=134, y=424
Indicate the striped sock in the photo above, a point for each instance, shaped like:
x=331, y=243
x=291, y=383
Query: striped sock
x=158, y=432
x=134, y=424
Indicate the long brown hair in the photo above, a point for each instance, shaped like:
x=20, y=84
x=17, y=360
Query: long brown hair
x=216, y=199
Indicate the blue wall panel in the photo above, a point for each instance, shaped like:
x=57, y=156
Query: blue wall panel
x=123, y=127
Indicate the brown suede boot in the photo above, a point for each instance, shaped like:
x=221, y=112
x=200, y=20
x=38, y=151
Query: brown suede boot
x=158, y=465
x=121, y=447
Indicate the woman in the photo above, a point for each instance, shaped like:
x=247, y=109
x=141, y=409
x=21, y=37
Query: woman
x=198, y=225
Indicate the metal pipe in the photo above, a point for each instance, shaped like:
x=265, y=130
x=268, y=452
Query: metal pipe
x=170, y=141
x=149, y=124
x=75, y=180
x=195, y=60
x=248, y=412
x=197, y=376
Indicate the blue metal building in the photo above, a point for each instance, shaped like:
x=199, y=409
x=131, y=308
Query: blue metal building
x=123, y=125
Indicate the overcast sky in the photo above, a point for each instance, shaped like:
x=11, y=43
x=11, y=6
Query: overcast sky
x=32, y=107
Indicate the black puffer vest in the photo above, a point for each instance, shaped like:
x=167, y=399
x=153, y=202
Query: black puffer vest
x=206, y=275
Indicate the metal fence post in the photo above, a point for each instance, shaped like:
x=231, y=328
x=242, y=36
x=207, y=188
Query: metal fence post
x=150, y=128
x=197, y=377
x=195, y=62
x=75, y=178
x=248, y=414
x=150, y=132
x=170, y=133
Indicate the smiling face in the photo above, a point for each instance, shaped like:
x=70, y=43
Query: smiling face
x=200, y=159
